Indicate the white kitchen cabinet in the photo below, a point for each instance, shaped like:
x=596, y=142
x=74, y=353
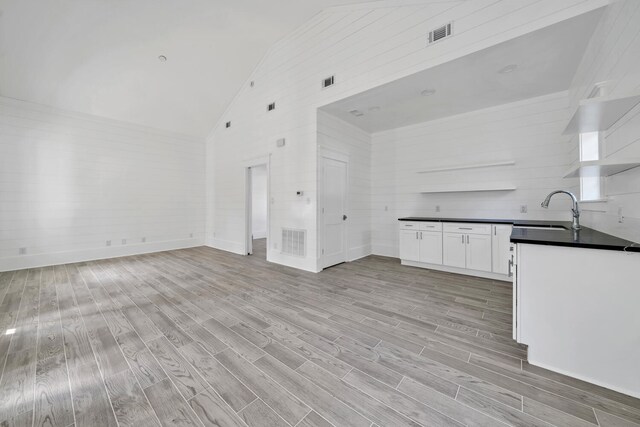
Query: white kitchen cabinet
x=457, y=247
x=501, y=244
x=454, y=250
x=478, y=252
x=431, y=247
x=410, y=245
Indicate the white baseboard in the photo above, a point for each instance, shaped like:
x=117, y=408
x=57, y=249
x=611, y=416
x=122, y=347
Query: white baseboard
x=260, y=234
x=633, y=393
x=384, y=250
x=359, y=252
x=466, y=272
x=44, y=260
x=227, y=245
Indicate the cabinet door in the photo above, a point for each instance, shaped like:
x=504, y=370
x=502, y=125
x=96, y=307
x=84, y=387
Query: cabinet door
x=478, y=252
x=453, y=249
x=431, y=247
x=409, y=245
x=500, y=244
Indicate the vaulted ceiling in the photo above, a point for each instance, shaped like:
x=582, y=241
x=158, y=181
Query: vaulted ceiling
x=101, y=57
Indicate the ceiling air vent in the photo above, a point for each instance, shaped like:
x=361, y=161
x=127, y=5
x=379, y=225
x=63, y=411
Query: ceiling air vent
x=294, y=242
x=440, y=33
x=329, y=81
x=271, y=106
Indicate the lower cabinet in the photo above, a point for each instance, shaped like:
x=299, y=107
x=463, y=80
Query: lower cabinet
x=431, y=247
x=454, y=250
x=501, y=248
x=409, y=245
x=421, y=246
x=471, y=251
x=478, y=252
x=480, y=247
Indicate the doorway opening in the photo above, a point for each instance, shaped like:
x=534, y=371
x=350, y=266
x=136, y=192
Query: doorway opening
x=257, y=210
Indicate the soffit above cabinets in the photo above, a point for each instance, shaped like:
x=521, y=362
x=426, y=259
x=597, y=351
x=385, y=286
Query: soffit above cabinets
x=536, y=64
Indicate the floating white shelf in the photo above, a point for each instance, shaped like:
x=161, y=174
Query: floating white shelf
x=470, y=166
x=598, y=114
x=599, y=168
x=470, y=189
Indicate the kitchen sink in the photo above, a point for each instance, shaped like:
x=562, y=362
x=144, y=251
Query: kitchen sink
x=541, y=227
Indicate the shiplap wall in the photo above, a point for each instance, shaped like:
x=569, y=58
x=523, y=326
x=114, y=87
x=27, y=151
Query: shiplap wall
x=614, y=55
x=69, y=182
x=527, y=132
x=338, y=136
x=364, y=46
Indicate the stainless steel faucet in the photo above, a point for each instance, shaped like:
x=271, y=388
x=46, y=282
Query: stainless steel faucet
x=575, y=210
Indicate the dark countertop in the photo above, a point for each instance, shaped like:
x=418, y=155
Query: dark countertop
x=584, y=238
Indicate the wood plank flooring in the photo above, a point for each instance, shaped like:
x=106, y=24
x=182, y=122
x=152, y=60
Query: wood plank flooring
x=207, y=338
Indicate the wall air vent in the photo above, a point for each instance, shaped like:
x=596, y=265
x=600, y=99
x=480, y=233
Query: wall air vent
x=271, y=106
x=440, y=33
x=294, y=242
x=227, y=125
x=329, y=81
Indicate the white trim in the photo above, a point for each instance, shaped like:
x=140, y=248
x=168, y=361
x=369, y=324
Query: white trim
x=228, y=246
x=325, y=153
x=633, y=393
x=457, y=270
x=91, y=254
x=247, y=165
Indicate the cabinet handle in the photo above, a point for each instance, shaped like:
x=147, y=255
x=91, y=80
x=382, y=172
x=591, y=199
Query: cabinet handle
x=494, y=231
x=510, y=266
x=463, y=239
x=467, y=238
x=416, y=235
x=465, y=228
x=421, y=235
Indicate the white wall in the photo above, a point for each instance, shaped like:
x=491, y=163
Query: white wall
x=70, y=182
x=259, y=201
x=614, y=55
x=337, y=136
x=527, y=132
x=364, y=46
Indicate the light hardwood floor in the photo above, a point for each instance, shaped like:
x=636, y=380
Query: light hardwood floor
x=204, y=337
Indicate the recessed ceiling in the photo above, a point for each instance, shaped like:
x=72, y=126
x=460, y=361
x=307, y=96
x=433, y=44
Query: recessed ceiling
x=102, y=57
x=535, y=64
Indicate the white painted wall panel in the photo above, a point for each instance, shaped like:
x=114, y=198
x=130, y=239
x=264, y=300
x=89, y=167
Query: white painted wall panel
x=527, y=132
x=70, y=182
x=613, y=54
x=364, y=47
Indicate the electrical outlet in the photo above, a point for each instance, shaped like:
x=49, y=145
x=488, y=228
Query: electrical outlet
x=523, y=208
x=620, y=216
x=108, y=243
x=144, y=239
x=22, y=251
x=386, y=208
x=191, y=235
x=437, y=208
x=275, y=245
x=124, y=241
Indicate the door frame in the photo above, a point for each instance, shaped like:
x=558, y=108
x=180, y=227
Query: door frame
x=325, y=153
x=248, y=225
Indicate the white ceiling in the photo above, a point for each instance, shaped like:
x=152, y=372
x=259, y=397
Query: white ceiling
x=546, y=62
x=101, y=56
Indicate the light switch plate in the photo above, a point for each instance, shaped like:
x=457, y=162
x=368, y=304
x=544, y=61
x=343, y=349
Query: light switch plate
x=523, y=208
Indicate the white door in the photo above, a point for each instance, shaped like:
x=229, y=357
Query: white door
x=479, y=252
x=409, y=245
x=500, y=244
x=431, y=247
x=453, y=249
x=334, y=211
